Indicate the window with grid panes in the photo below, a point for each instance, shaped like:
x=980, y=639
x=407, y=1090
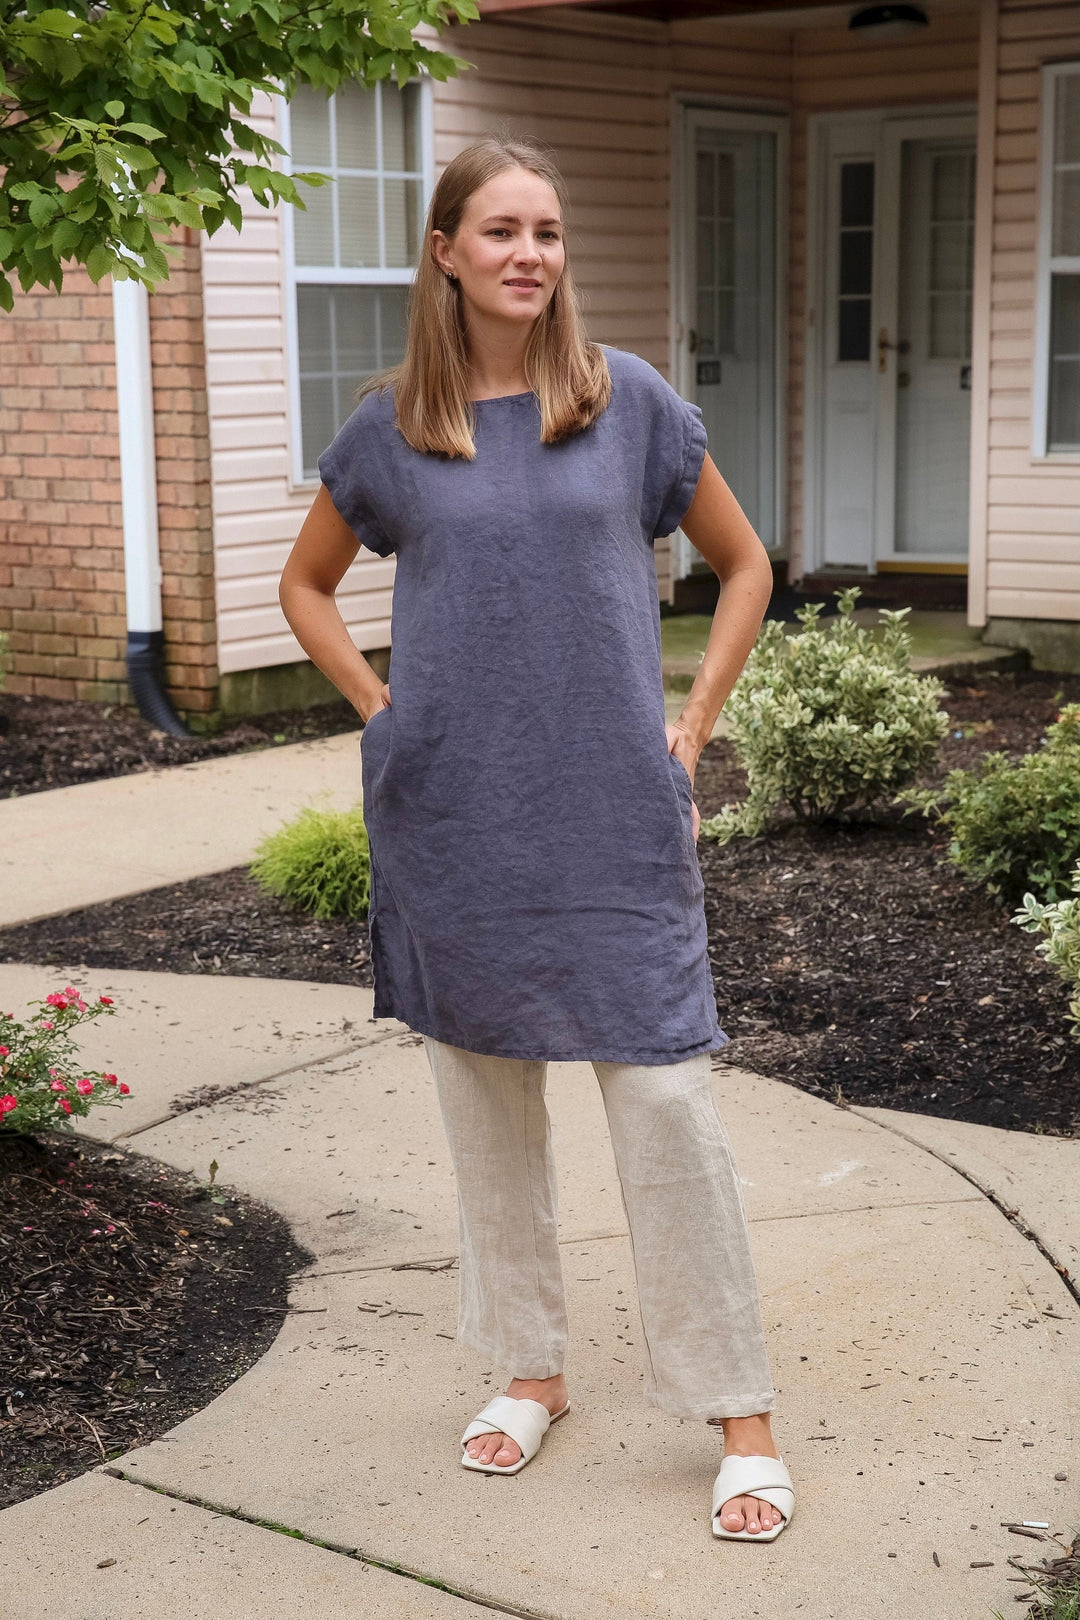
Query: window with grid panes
x=355, y=248
x=1059, y=368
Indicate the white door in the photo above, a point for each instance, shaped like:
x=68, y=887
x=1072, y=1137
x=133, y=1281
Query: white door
x=848, y=422
x=891, y=422
x=731, y=334
x=931, y=373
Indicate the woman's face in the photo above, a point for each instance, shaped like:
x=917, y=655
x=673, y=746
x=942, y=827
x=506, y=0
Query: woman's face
x=508, y=253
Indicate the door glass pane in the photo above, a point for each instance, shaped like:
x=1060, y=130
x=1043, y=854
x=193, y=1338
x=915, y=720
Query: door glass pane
x=856, y=254
x=950, y=327
x=952, y=254
x=857, y=194
x=1064, y=402
x=854, y=329
x=716, y=252
x=856, y=262
x=345, y=335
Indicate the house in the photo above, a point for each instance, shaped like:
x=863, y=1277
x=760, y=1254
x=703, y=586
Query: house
x=851, y=233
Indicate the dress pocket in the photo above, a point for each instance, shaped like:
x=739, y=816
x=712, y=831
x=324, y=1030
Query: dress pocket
x=682, y=775
x=371, y=739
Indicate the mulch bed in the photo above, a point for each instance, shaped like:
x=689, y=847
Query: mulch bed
x=129, y=1299
x=49, y=743
x=854, y=961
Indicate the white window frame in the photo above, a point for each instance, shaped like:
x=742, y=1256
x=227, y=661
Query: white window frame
x=317, y=275
x=1046, y=265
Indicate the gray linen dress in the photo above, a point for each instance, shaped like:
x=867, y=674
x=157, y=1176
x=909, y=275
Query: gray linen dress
x=535, y=886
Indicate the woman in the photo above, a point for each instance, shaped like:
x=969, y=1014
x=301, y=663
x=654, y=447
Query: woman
x=535, y=888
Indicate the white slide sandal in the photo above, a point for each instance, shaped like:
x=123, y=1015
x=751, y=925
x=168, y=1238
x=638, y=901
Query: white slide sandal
x=524, y=1420
x=764, y=1477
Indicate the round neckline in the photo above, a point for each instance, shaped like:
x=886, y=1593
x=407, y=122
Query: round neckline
x=496, y=399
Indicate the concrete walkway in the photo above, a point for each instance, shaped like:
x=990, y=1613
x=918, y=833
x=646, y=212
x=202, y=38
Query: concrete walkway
x=76, y=846
x=903, y=1262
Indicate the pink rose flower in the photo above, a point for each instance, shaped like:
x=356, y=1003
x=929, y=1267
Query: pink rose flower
x=111, y=1078
x=46, y=1026
x=3, y=1051
x=106, y=1001
x=8, y=1103
x=58, y=1085
x=65, y=1105
x=126, y=1089
x=84, y=1087
x=56, y=1000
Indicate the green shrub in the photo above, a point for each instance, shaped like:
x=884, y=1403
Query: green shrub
x=828, y=720
x=319, y=862
x=1059, y=921
x=1015, y=826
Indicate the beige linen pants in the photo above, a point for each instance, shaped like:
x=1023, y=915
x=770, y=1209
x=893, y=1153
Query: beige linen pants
x=704, y=1347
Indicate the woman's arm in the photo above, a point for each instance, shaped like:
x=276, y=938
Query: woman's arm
x=719, y=528
x=324, y=549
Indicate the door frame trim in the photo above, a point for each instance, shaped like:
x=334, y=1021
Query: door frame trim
x=817, y=128
x=730, y=112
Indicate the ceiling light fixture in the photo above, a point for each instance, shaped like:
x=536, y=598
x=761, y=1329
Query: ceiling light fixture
x=888, y=22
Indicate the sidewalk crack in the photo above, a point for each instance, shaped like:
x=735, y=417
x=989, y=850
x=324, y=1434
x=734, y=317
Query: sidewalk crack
x=1012, y=1215
x=355, y=1553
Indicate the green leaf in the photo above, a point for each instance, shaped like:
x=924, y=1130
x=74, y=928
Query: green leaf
x=99, y=262
x=55, y=21
x=115, y=109
x=43, y=207
x=105, y=165
x=66, y=236
x=145, y=132
x=7, y=297
x=187, y=213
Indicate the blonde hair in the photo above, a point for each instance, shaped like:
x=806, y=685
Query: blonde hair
x=562, y=365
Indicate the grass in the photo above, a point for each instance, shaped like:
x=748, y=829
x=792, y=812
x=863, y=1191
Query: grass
x=1058, y=1590
x=318, y=862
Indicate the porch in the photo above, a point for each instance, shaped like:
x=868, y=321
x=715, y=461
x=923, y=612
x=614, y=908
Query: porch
x=852, y=293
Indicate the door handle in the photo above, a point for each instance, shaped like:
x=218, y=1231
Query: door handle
x=883, y=346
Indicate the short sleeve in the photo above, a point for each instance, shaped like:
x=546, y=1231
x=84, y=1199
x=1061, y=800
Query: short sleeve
x=349, y=467
x=674, y=459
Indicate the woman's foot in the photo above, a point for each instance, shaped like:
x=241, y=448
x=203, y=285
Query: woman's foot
x=499, y=1448
x=749, y=1437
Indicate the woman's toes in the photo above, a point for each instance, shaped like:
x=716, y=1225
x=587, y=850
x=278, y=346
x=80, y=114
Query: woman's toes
x=494, y=1448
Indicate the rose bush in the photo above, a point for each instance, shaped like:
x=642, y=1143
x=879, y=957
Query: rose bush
x=43, y=1086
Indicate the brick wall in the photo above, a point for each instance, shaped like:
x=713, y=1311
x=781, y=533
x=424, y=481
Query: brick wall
x=61, y=532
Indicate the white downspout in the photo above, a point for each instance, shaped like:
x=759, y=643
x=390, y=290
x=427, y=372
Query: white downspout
x=138, y=480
